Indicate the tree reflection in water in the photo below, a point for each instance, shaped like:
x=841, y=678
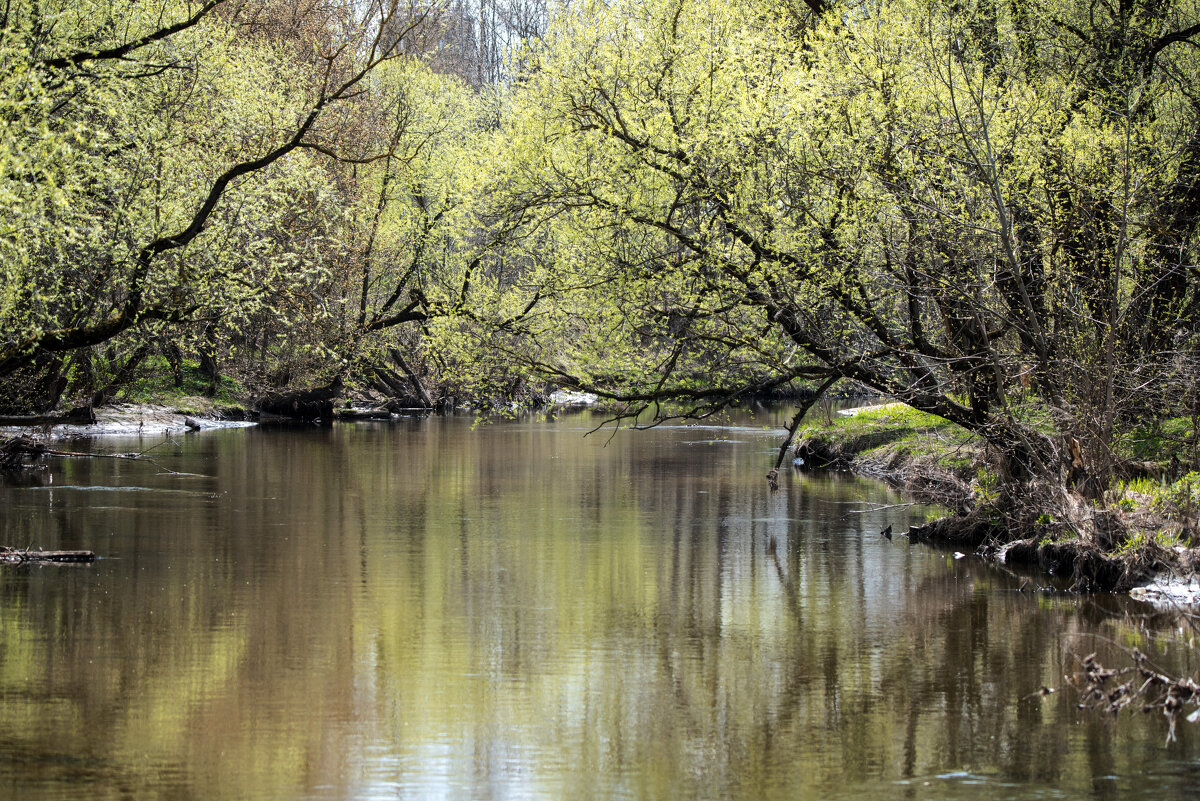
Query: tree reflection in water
x=440, y=609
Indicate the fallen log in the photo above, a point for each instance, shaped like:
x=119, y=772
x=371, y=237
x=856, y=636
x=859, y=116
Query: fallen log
x=308, y=405
x=362, y=414
x=16, y=556
x=83, y=415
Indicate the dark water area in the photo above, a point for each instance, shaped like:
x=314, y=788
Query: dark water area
x=440, y=609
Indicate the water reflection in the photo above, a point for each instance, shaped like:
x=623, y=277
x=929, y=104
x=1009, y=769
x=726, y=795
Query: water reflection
x=442, y=610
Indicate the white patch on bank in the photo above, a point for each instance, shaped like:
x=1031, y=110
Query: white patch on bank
x=1170, y=591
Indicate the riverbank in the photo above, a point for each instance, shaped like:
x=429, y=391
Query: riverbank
x=132, y=419
x=1139, y=536
x=177, y=415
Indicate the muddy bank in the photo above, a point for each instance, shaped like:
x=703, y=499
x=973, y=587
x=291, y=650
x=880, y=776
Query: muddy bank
x=1032, y=528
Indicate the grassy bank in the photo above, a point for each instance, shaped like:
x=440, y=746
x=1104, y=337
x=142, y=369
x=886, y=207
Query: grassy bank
x=1137, y=529
x=184, y=385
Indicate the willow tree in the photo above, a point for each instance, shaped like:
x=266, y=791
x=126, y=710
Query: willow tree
x=953, y=204
x=164, y=164
x=418, y=258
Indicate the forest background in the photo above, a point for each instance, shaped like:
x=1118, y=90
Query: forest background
x=984, y=209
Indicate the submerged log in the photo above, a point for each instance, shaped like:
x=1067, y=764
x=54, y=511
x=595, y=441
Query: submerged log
x=18, y=453
x=16, y=556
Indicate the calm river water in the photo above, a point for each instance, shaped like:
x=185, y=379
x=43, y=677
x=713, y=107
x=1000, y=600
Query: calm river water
x=444, y=610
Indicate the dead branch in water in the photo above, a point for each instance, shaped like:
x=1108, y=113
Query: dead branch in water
x=16, y=556
x=1147, y=687
x=15, y=451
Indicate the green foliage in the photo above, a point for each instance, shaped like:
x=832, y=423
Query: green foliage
x=981, y=210
x=926, y=199
x=1182, y=495
x=986, y=480
x=156, y=383
x=1141, y=539
x=255, y=184
x=1158, y=439
x=100, y=162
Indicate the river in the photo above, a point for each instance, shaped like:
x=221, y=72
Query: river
x=444, y=609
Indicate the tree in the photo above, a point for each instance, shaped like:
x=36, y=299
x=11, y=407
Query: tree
x=416, y=257
x=929, y=200
x=160, y=167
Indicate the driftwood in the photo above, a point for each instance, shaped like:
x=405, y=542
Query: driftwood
x=1146, y=689
x=17, y=556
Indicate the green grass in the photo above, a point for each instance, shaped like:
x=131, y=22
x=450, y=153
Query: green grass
x=1156, y=440
x=1172, y=508
x=1034, y=413
x=155, y=383
x=1181, y=495
x=1139, y=539
x=1157, y=516
x=1143, y=486
x=893, y=429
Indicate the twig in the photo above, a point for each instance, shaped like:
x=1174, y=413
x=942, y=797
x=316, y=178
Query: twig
x=882, y=508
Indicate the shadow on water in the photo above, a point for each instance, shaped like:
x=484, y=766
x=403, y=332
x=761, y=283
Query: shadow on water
x=443, y=609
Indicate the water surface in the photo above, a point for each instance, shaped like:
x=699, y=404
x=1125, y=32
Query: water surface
x=439, y=609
